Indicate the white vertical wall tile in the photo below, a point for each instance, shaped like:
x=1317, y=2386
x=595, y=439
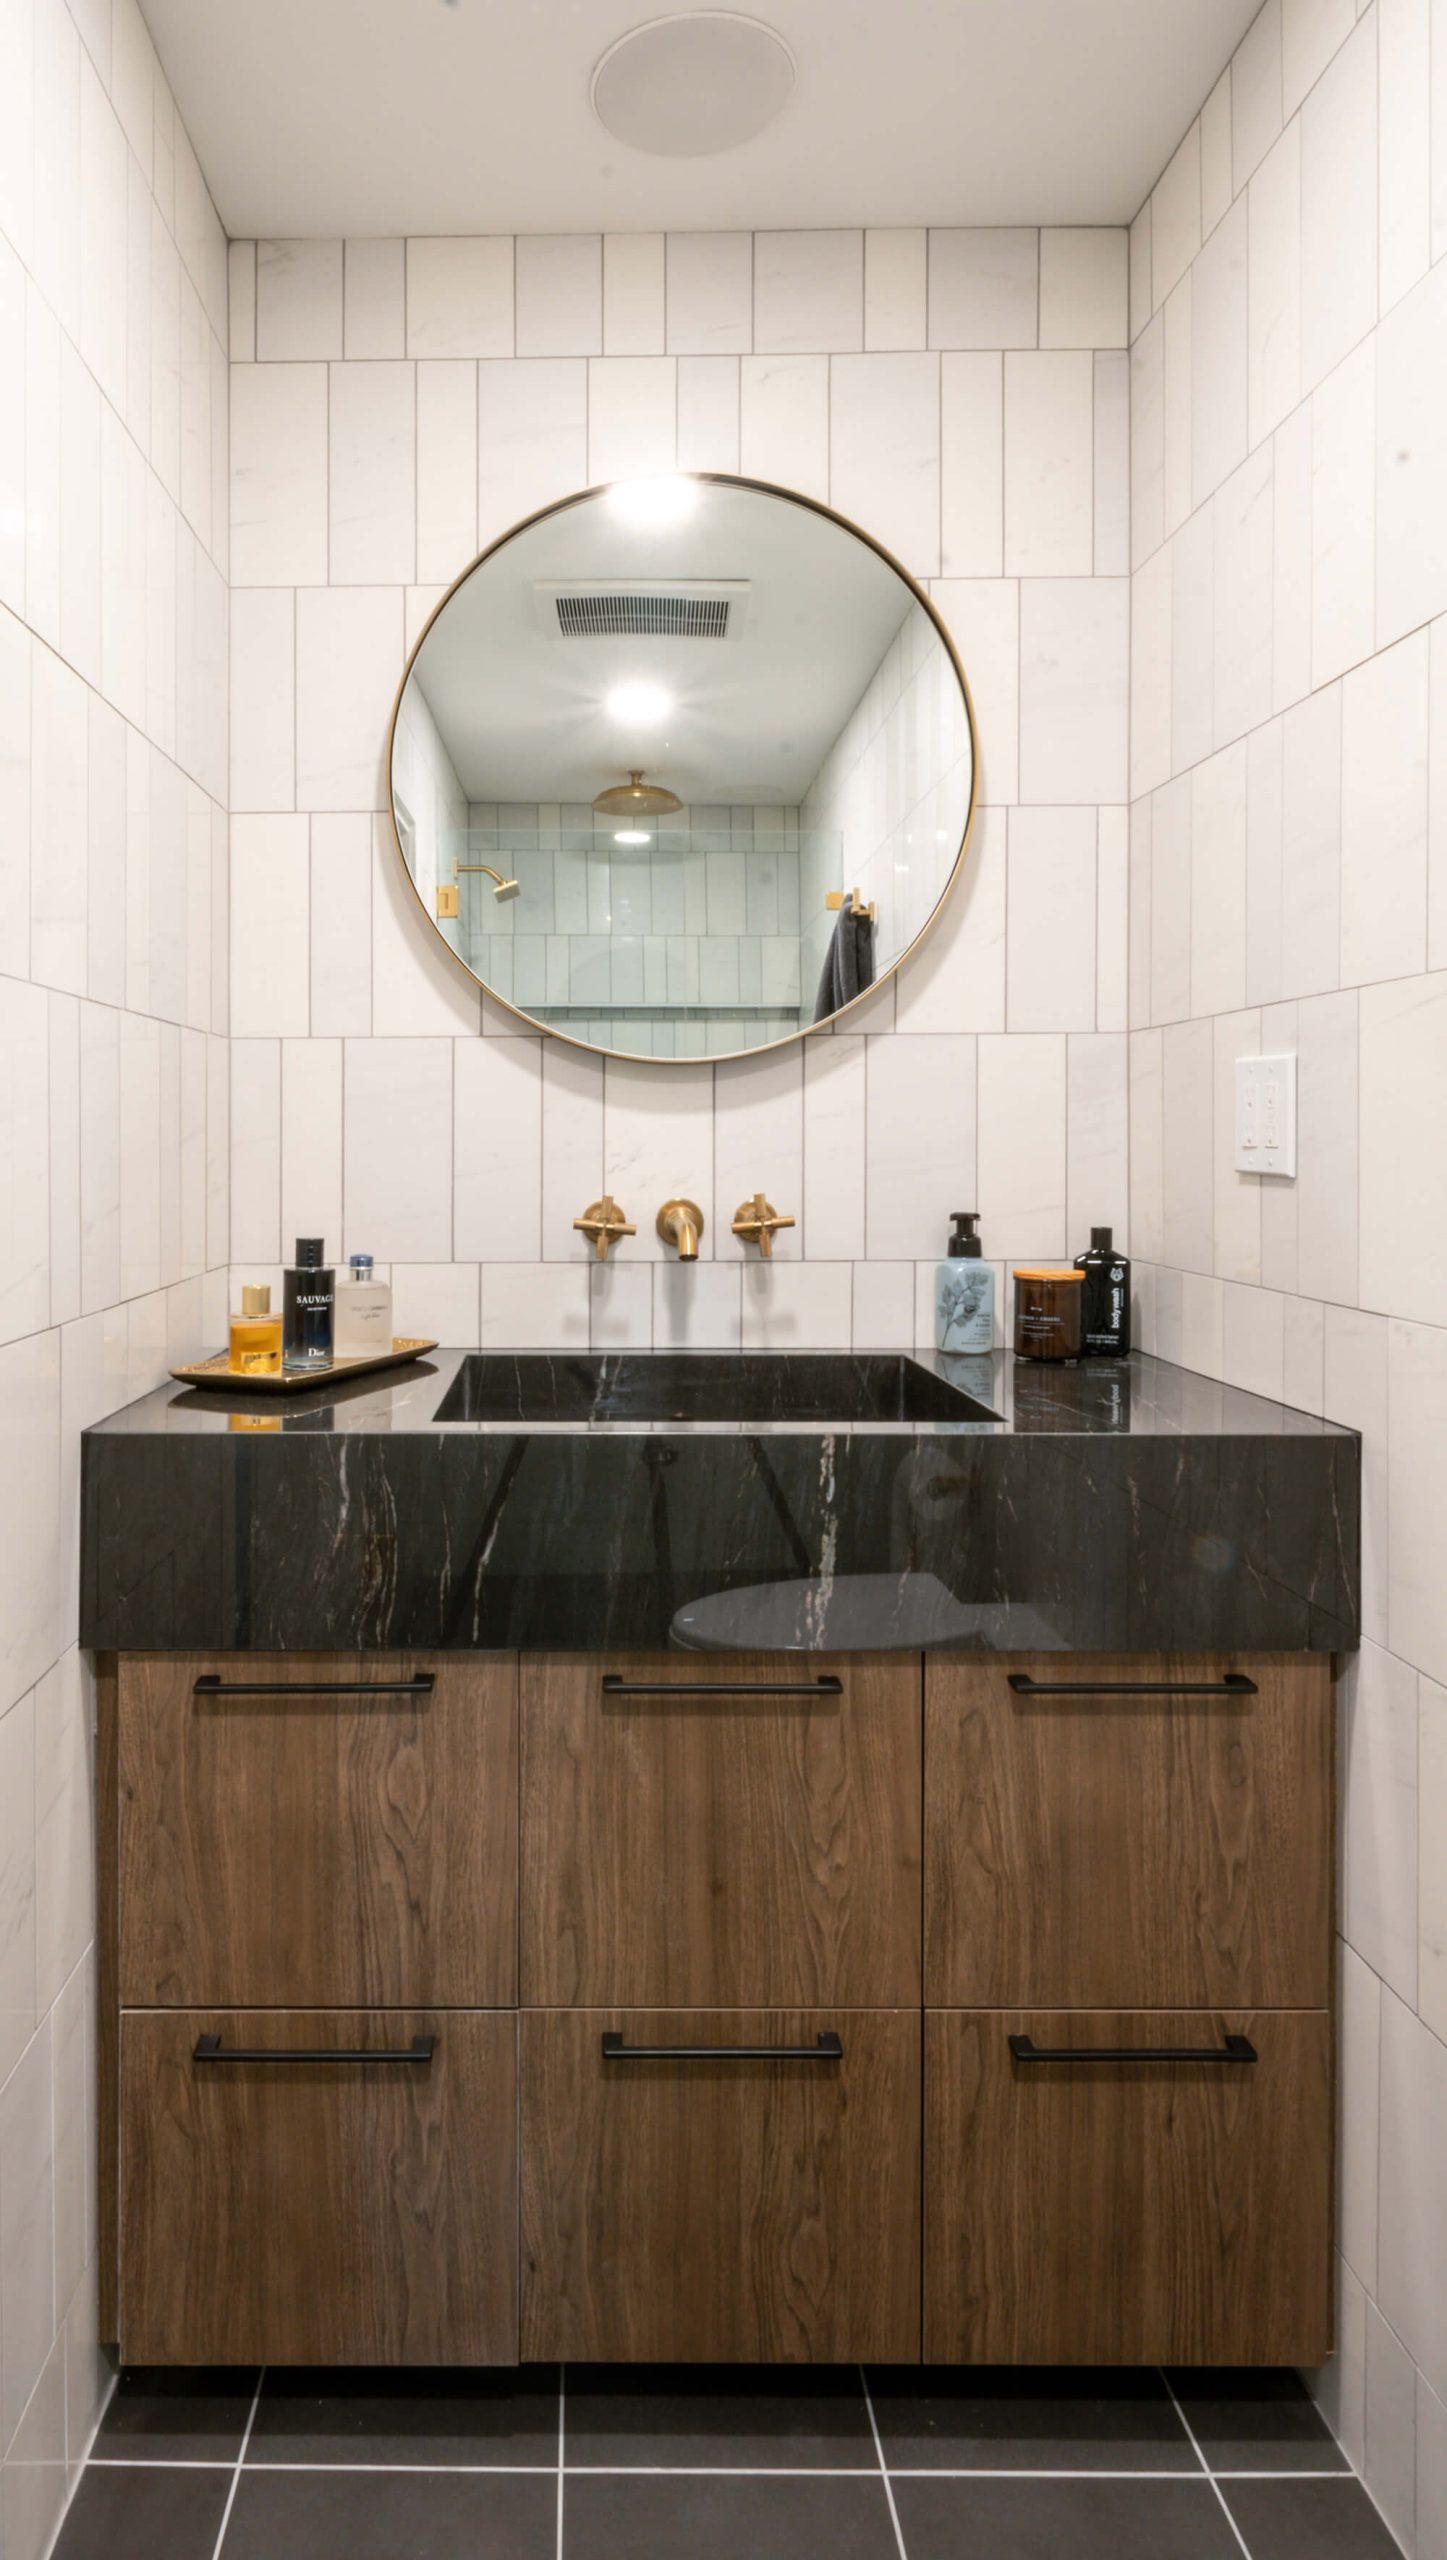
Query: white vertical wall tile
x=632, y=416
x=919, y=1117
x=709, y=283
x=1379, y=1792
x=279, y=475
x=559, y=286
x=348, y=663
x=1074, y=643
x=1404, y=222
x=1218, y=356
x=1311, y=32
x=783, y=421
x=374, y=299
x=1338, y=203
x=984, y=288
x=1384, y=815
x=884, y=463
x=446, y=467
x=708, y=413
x=1049, y=493
x=398, y=1149
x=633, y=293
x=1411, y=459
x=1343, y=540
x=270, y=905
x=497, y=1164
x=298, y=299
x=372, y=474
x=1083, y=288
x=808, y=292
x=972, y=462
x=1176, y=215
x=459, y=297
x=894, y=290
x=1021, y=1182
x=532, y=438
x=1274, y=287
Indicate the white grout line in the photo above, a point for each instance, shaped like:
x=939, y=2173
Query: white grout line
x=240, y=2458
x=883, y=2466
x=706, y=2470
x=1205, y=2466
x=562, y=2412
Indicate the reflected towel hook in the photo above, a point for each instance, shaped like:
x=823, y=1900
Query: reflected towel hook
x=834, y=899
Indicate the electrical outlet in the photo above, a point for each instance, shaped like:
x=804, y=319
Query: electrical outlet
x=1266, y=1116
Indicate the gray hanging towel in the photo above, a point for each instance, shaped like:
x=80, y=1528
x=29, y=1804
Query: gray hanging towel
x=848, y=963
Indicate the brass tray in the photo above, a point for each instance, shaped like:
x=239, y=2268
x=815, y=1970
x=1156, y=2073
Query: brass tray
x=218, y=1372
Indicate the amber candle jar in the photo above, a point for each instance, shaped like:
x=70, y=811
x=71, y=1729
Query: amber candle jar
x=1047, y=1313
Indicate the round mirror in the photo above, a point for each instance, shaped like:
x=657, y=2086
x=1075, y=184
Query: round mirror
x=682, y=767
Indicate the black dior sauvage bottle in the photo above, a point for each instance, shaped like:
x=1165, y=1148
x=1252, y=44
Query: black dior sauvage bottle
x=308, y=1298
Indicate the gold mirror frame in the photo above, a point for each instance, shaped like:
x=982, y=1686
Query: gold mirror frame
x=727, y=1057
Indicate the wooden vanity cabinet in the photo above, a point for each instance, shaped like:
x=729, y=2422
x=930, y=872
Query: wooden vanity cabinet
x=724, y=2185
x=1128, y=1831
x=318, y=1830
x=697, y=2007
x=326, y=2209
x=705, y=1833
x=1153, y=2211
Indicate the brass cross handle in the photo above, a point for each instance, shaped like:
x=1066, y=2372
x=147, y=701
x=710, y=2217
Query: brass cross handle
x=756, y=1222
x=603, y=1222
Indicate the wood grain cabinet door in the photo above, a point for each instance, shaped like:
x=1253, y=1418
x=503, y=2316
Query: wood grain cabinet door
x=318, y=2211
x=1135, y=1831
x=318, y=1830
x=729, y=1831
x=1127, y=2212
x=732, y=2208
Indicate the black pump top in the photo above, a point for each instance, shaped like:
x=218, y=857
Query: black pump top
x=1100, y=1240
x=965, y=1245
x=310, y=1253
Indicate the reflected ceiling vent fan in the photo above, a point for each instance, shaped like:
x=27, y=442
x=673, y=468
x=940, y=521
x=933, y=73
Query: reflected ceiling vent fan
x=642, y=609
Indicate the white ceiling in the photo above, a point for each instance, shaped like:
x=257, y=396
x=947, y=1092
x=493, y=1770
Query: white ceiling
x=314, y=118
x=521, y=710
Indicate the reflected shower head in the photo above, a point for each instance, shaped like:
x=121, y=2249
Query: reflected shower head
x=504, y=888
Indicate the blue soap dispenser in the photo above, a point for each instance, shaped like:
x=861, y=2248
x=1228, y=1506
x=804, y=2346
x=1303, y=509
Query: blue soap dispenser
x=965, y=1290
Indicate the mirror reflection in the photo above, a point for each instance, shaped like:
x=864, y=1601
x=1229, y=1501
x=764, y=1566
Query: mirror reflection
x=682, y=767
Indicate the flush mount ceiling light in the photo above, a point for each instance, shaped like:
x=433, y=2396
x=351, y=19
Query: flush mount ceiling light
x=636, y=798
x=682, y=87
x=639, y=704
x=665, y=499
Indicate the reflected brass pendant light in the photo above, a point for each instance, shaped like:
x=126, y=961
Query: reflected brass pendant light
x=636, y=798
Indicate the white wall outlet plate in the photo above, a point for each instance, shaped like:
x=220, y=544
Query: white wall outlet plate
x=1266, y=1116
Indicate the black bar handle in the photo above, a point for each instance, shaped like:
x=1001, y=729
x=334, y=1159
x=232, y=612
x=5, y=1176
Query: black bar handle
x=1234, y=1684
x=1234, y=2049
x=211, y=2049
x=826, y=2048
x=828, y=1685
x=211, y=1685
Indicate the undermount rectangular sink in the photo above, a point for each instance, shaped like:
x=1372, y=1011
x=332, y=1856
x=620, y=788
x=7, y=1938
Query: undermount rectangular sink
x=694, y=1386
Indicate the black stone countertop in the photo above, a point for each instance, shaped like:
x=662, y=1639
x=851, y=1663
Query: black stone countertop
x=1114, y=1506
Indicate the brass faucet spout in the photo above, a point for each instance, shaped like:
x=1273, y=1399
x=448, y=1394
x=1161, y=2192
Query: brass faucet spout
x=680, y=1223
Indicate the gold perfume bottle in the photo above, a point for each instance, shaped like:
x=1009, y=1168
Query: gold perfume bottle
x=256, y=1337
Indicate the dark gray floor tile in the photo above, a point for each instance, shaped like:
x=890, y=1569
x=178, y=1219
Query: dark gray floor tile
x=622, y=2518
x=392, y=2515
x=139, y=2514
x=1308, y=2520
x=1026, y=2417
x=445, y=2415
x=1043, y=2519
x=177, y=2413
x=749, y=2417
x=1257, y=2419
